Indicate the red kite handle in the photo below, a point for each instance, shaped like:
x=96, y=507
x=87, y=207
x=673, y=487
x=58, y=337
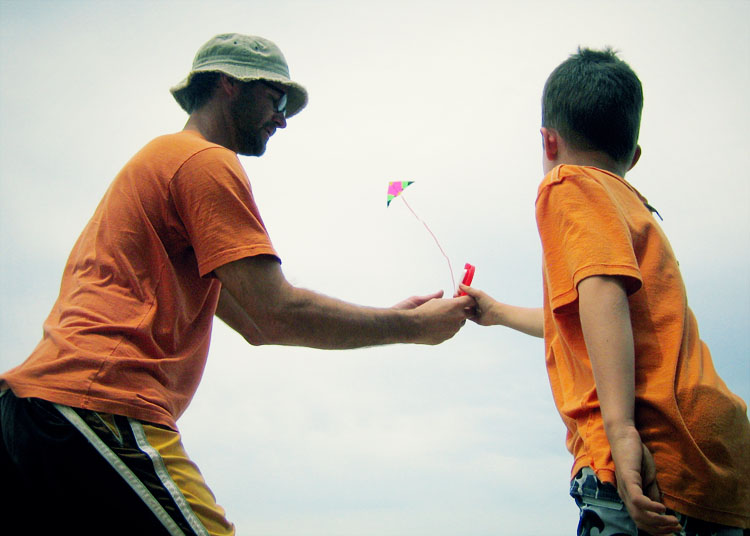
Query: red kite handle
x=468, y=276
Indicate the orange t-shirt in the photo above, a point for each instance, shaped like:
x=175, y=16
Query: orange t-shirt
x=592, y=222
x=130, y=330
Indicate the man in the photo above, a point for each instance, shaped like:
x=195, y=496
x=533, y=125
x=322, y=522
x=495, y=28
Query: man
x=89, y=439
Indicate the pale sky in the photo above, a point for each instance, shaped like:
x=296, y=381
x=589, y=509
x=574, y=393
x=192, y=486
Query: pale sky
x=457, y=439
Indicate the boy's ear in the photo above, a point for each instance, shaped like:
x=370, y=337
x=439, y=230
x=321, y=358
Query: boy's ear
x=636, y=157
x=550, y=143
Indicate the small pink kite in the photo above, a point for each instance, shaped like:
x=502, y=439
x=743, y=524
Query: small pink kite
x=396, y=189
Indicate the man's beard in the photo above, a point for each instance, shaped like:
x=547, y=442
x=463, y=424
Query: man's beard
x=251, y=142
x=249, y=136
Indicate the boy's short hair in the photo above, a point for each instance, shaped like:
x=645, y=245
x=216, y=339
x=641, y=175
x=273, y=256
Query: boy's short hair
x=594, y=100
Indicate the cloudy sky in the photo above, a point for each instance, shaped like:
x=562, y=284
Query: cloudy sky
x=459, y=439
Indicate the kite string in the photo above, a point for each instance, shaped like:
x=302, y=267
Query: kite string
x=450, y=268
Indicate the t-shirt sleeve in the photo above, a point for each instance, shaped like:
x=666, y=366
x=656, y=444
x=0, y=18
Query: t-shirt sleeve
x=583, y=234
x=213, y=198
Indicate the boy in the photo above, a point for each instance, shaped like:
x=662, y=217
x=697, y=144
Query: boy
x=644, y=408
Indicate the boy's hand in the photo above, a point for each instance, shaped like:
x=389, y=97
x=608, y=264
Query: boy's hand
x=490, y=312
x=636, y=484
x=605, y=322
x=483, y=312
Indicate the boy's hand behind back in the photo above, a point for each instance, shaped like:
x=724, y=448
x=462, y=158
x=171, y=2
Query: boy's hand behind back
x=636, y=484
x=606, y=326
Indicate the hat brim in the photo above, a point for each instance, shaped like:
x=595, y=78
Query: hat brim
x=296, y=93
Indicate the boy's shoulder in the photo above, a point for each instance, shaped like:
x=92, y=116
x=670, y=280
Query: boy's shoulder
x=585, y=177
x=568, y=188
x=564, y=172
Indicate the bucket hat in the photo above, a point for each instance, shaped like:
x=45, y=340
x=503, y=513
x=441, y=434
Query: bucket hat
x=246, y=58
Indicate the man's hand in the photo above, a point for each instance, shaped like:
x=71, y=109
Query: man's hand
x=636, y=483
x=415, y=301
x=440, y=319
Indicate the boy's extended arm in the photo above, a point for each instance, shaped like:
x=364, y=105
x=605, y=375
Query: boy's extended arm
x=607, y=331
x=262, y=306
x=490, y=312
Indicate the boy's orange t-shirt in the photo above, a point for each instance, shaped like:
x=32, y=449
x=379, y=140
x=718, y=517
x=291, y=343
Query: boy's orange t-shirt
x=592, y=222
x=129, y=332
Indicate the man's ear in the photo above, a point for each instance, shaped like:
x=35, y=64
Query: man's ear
x=550, y=140
x=636, y=157
x=228, y=85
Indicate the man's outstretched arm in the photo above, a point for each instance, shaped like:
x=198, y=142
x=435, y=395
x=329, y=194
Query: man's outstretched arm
x=280, y=313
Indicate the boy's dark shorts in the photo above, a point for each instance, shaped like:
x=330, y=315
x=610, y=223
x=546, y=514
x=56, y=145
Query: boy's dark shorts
x=602, y=512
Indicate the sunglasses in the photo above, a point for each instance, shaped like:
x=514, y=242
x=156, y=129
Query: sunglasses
x=279, y=105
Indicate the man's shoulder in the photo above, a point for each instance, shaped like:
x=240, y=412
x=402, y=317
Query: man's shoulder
x=168, y=153
x=184, y=141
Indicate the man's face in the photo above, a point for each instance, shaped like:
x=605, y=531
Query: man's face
x=256, y=116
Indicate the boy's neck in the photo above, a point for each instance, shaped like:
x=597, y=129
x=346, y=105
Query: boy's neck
x=592, y=159
x=556, y=151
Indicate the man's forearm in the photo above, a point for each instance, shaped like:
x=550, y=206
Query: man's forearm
x=280, y=313
x=306, y=318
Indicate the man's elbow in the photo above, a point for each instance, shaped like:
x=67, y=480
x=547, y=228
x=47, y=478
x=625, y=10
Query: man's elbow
x=258, y=332
x=255, y=340
x=268, y=332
